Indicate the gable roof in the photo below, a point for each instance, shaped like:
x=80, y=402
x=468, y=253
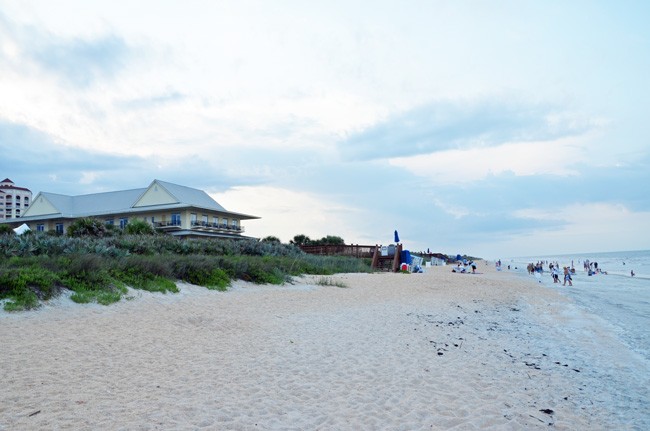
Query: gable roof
x=93, y=203
x=188, y=195
x=124, y=201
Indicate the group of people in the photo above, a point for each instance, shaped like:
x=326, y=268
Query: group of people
x=554, y=268
x=566, y=272
x=591, y=268
x=464, y=266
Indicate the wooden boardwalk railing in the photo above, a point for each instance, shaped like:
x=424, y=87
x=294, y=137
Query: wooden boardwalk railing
x=353, y=250
x=379, y=262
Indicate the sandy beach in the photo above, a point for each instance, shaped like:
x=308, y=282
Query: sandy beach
x=437, y=350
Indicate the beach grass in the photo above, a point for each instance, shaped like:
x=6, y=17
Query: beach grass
x=328, y=281
x=38, y=267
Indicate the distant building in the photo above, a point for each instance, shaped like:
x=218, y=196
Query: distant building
x=171, y=208
x=14, y=200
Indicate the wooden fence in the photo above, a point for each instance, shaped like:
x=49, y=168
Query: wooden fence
x=353, y=250
x=383, y=263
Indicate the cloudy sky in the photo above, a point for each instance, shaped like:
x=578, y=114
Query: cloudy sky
x=501, y=128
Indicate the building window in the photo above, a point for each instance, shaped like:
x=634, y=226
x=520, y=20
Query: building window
x=215, y=221
x=58, y=228
x=153, y=219
x=193, y=219
x=205, y=220
x=123, y=222
x=40, y=228
x=234, y=223
x=176, y=219
x=110, y=221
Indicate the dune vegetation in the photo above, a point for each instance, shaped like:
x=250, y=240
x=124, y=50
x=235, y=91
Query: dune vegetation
x=98, y=267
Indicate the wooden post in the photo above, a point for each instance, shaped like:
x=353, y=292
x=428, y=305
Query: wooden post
x=375, y=258
x=397, y=257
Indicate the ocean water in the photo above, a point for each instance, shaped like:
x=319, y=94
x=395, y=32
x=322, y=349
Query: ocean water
x=616, y=306
x=617, y=297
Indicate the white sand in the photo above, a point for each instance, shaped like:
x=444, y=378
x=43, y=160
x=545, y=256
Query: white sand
x=391, y=351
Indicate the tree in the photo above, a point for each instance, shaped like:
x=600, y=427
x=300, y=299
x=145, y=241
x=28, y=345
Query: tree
x=271, y=239
x=332, y=240
x=301, y=240
x=326, y=240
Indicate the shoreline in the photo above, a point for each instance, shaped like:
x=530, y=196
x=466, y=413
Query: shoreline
x=390, y=351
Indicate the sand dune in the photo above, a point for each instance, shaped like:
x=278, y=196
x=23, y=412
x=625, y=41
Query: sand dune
x=390, y=351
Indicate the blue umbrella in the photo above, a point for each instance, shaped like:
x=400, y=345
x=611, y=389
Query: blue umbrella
x=396, y=237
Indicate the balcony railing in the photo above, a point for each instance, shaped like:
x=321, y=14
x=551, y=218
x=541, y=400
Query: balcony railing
x=220, y=227
x=199, y=225
x=167, y=225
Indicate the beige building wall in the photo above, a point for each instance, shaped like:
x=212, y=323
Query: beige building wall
x=158, y=217
x=40, y=206
x=155, y=195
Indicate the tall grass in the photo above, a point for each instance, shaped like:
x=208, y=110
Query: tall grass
x=35, y=267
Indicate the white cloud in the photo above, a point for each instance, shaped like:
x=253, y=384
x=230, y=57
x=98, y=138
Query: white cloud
x=453, y=210
x=89, y=177
x=478, y=110
x=286, y=213
x=589, y=227
x=522, y=159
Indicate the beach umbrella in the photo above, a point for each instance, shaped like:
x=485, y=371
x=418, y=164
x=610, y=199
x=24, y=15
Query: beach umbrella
x=396, y=237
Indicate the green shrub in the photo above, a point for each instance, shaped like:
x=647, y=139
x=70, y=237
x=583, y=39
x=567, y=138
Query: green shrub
x=154, y=265
x=89, y=277
x=98, y=269
x=5, y=229
x=139, y=227
x=145, y=272
x=25, y=300
x=87, y=227
x=25, y=286
x=255, y=269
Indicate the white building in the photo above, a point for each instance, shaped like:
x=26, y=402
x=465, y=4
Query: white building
x=14, y=200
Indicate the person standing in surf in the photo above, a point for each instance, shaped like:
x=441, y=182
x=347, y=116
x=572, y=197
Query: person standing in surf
x=567, y=276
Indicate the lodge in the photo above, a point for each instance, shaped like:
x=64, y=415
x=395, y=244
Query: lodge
x=171, y=208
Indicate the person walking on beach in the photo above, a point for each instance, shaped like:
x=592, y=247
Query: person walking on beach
x=632, y=273
x=555, y=273
x=567, y=276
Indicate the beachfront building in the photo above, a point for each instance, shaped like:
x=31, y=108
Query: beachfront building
x=14, y=200
x=171, y=208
